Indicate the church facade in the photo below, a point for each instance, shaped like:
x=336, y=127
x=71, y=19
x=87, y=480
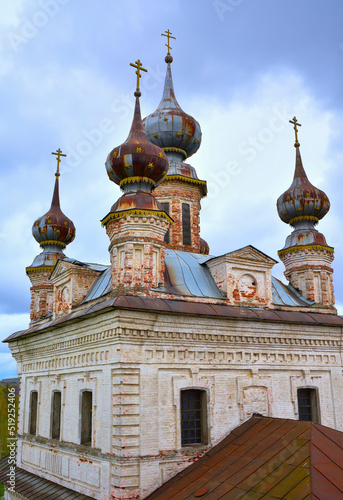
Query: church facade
x=130, y=372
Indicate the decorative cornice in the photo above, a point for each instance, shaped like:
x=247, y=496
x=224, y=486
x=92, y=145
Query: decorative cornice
x=176, y=150
x=39, y=269
x=185, y=179
x=304, y=217
x=53, y=242
x=128, y=180
x=135, y=211
x=300, y=248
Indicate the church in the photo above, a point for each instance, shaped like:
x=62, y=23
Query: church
x=133, y=372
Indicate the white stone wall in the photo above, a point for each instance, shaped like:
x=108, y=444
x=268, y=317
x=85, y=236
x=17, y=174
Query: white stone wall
x=136, y=364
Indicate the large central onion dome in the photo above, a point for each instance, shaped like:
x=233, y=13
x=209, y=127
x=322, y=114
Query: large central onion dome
x=169, y=127
x=302, y=201
x=138, y=166
x=54, y=228
x=137, y=160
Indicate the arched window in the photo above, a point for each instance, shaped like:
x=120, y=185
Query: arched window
x=193, y=417
x=33, y=413
x=308, y=405
x=86, y=417
x=56, y=415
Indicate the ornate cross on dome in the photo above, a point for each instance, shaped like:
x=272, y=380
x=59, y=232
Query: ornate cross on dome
x=58, y=154
x=139, y=67
x=296, y=125
x=168, y=35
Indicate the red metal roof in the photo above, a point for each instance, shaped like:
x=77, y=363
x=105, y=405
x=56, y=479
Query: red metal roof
x=184, y=307
x=269, y=458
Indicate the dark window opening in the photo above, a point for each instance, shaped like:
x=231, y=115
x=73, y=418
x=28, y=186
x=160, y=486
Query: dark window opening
x=56, y=415
x=166, y=209
x=186, y=224
x=307, y=405
x=33, y=412
x=86, y=417
x=193, y=417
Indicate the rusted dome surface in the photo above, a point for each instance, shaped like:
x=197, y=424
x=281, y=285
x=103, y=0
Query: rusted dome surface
x=137, y=156
x=54, y=228
x=204, y=247
x=302, y=201
x=137, y=200
x=169, y=126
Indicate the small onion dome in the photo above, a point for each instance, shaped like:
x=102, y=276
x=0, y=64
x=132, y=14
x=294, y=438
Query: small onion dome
x=169, y=127
x=204, y=247
x=54, y=228
x=302, y=201
x=137, y=158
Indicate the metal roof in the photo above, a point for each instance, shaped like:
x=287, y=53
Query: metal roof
x=286, y=295
x=169, y=306
x=102, y=286
x=265, y=458
x=187, y=275
x=37, y=488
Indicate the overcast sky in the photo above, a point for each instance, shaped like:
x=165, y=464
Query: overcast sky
x=242, y=68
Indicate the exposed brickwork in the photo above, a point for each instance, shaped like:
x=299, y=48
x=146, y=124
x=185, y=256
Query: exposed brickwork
x=176, y=192
x=41, y=294
x=244, y=277
x=71, y=285
x=310, y=272
x=137, y=252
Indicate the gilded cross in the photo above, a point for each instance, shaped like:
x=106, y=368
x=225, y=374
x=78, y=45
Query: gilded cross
x=139, y=67
x=58, y=154
x=168, y=34
x=296, y=124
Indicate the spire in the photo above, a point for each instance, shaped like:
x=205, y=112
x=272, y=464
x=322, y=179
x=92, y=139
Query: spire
x=56, y=196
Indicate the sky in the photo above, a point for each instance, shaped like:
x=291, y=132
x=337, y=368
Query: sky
x=242, y=68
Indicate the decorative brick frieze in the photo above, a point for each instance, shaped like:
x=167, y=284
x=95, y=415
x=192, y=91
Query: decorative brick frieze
x=137, y=252
x=244, y=277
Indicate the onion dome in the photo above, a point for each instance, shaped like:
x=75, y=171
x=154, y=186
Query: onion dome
x=302, y=206
x=137, y=160
x=138, y=166
x=204, y=247
x=302, y=201
x=54, y=228
x=169, y=127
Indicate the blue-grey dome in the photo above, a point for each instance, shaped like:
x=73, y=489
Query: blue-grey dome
x=169, y=127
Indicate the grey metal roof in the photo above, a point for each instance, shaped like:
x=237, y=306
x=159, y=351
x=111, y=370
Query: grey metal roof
x=186, y=275
x=286, y=295
x=37, y=488
x=94, y=267
x=102, y=286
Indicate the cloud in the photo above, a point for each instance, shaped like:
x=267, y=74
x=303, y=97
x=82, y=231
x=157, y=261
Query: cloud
x=10, y=323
